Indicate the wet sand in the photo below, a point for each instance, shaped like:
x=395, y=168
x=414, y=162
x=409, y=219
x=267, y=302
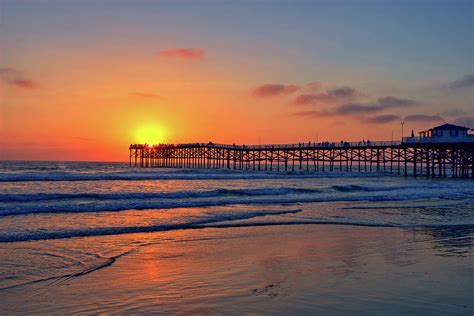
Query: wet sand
x=304, y=269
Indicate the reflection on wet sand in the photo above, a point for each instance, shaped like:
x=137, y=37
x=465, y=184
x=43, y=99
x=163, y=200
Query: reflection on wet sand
x=456, y=241
x=283, y=269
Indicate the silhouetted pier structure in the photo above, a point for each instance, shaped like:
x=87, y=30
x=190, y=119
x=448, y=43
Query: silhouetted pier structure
x=412, y=157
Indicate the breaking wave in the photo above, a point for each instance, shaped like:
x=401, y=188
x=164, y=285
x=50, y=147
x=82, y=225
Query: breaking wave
x=355, y=188
x=175, y=175
x=158, y=195
x=43, y=235
x=222, y=221
x=147, y=204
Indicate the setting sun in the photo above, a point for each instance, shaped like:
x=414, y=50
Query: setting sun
x=150, y=134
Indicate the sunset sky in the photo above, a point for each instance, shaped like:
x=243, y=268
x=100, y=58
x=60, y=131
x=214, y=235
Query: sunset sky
x=81, y=80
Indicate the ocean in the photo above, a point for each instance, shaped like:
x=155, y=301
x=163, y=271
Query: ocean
x=103, y=237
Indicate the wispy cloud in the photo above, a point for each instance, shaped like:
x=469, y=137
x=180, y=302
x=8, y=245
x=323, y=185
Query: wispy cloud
x=270, y=90
x=17, y=78
x=395, y=102
x=422, y=118
x=388, y=102
x=313, y=98
x=381, y=119
x=145, y=95
x=464, y=82
x=343, y=92
x=329, y=96
x=183, y=53
x=361, y=110
x=357, y=108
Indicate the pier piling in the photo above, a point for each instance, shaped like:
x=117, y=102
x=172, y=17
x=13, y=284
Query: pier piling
x=429, y=160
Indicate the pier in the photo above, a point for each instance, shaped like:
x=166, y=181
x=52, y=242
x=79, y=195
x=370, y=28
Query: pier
x=416, y=157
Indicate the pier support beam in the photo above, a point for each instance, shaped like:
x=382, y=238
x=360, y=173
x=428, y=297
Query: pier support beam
x=431, y=159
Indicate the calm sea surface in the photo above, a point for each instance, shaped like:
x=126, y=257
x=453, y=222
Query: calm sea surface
x=65, y=220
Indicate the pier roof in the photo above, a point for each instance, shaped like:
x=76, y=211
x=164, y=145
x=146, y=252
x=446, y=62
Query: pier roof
x=450, y=127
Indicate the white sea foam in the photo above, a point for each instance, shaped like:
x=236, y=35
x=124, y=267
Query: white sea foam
x=153, y=174
x=223, y=221
x=42, y=235
x=154, y=195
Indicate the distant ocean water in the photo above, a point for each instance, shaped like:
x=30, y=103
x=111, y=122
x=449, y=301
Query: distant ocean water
x=46, y=201
x=60, y=190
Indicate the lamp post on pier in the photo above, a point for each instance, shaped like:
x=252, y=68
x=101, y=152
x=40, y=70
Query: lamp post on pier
x=403, y=123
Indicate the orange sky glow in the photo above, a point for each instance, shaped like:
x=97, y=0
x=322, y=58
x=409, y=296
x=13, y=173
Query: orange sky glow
x=72, y=93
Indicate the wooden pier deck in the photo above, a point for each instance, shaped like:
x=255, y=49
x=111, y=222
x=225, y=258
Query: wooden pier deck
x=408, y=158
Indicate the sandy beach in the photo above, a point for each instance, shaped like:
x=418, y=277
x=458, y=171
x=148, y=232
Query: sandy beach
x=302, y=269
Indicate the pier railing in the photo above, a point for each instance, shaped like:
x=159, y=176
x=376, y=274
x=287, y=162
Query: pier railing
x=439, y=140
x=275, y=146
